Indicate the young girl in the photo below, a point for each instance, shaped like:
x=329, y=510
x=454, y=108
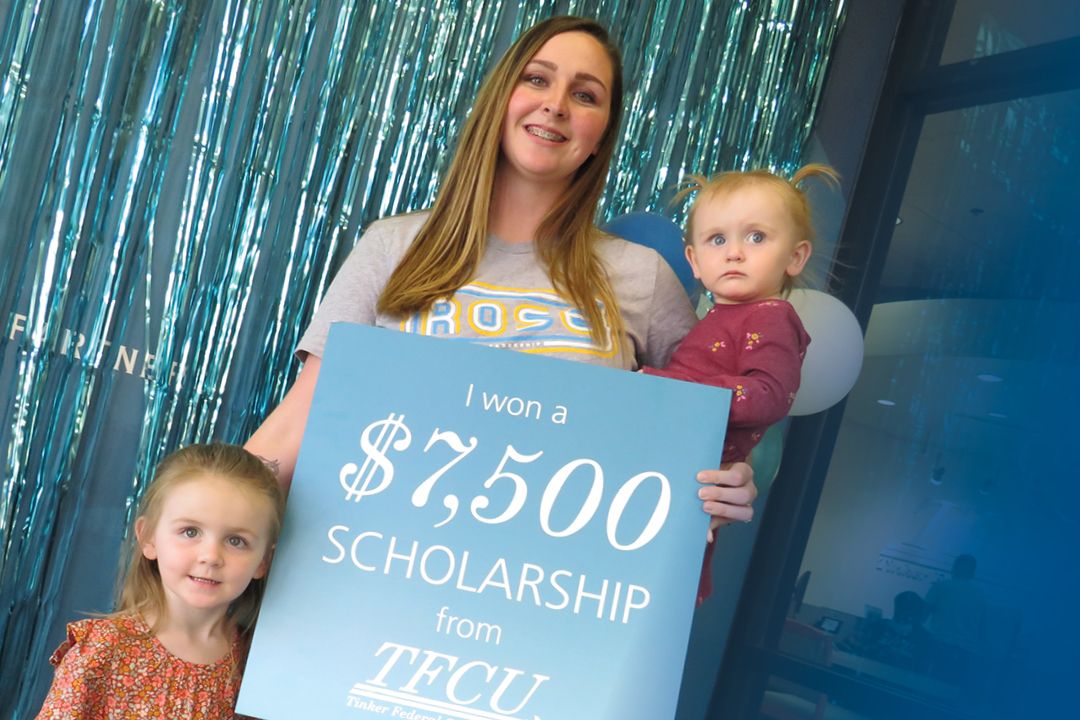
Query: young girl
x=748, y=238
x=174, y=648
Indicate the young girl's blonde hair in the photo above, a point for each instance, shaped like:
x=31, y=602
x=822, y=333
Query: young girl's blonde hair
x=445, y=253
x=793, y=197
x=141, y=589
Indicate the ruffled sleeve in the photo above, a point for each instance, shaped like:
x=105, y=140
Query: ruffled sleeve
x=79, y=687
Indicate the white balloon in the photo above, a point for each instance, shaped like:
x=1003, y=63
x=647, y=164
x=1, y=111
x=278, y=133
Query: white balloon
x=835, y=354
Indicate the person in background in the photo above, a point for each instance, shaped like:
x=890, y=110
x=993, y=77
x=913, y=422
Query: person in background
x=175, y=646
x=957, y=620
x=513, y=226
x=902, y=640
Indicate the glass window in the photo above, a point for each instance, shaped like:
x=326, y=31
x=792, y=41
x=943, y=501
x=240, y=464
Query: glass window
x=940, y=562
x=987, y=27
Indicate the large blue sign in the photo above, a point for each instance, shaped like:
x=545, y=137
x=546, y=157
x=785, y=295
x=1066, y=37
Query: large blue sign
x=474, y=534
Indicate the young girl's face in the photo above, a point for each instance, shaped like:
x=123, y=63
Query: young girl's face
x=744, y=244
x=211, y=539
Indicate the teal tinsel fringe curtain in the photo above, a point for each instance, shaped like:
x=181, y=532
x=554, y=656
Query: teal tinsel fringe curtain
x=179, y=180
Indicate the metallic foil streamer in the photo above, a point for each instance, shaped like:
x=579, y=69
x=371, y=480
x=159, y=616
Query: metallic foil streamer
x=179, y=180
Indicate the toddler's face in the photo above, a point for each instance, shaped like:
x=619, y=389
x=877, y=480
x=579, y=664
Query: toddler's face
x=744, y=244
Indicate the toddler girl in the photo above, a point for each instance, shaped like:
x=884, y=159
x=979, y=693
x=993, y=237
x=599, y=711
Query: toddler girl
x=748, y=237
x=175, y=646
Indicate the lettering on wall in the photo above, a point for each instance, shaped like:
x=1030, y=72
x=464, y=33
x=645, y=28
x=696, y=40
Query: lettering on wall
x=117, y=357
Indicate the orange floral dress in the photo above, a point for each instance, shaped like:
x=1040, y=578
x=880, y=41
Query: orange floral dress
x=114, y=669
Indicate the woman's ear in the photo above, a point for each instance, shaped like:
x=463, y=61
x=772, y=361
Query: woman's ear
x=142, y=537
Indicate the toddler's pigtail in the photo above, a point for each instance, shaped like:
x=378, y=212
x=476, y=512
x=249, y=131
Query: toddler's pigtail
x=816, y=170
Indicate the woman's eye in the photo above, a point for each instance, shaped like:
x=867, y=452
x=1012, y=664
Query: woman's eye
x=756, y=238
x=535, y=80
x=585, y=97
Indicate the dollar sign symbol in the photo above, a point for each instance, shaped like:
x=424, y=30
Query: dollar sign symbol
x=376, y=461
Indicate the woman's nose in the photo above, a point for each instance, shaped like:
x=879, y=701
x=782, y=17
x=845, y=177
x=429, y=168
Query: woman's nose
x=555, y=103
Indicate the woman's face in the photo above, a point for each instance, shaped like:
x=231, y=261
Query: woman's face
x=558, y=110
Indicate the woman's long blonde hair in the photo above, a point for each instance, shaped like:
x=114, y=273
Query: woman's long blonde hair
x=445, y=253
x=141, y=590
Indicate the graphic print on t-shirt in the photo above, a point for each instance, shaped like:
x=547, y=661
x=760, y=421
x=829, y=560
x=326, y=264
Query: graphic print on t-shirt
x=526, y=320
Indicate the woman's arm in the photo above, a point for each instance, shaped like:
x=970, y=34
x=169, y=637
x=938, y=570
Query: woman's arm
x=352, y=297
x=277, y=440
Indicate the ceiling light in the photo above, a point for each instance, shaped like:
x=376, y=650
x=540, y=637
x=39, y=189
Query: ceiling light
x=886, y=403
x=999, y=416
x=987, y=377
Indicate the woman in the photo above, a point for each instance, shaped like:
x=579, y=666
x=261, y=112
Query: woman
x=512, y=232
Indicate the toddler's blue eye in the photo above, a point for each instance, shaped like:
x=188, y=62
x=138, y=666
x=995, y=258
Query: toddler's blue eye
x=716, y=240
x=237, y=542
x=756, y=237
x=190, y=532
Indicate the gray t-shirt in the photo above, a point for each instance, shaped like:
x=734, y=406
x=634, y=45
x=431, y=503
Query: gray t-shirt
x=511, y=302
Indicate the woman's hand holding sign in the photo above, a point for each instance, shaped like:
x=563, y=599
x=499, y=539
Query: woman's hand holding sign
x=728, y=494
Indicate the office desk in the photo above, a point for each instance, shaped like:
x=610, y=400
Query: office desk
x=813, y=614
x=896, y=677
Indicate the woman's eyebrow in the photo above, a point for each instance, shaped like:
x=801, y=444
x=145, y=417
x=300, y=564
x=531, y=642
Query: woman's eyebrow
x=581, y=75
